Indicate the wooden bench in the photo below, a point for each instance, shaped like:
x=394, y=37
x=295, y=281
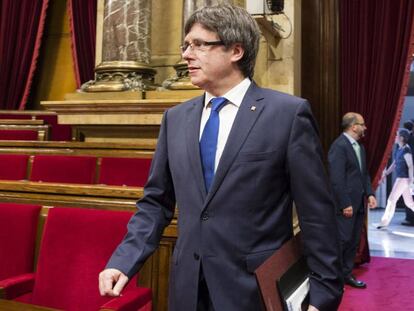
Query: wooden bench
x=109, y=149
x=21, y=122
x=23, y=129
x=44, y=122
x=24, y=132
x=114, y=196
x=155, y=272
x=42, y=189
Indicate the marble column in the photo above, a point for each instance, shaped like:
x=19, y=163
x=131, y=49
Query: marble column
x=181, y=80
x=126, y=50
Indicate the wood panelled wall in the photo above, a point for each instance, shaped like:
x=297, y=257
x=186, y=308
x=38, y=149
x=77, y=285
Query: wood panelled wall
x=320, y=65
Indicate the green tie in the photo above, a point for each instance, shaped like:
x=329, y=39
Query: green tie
x=357, y=149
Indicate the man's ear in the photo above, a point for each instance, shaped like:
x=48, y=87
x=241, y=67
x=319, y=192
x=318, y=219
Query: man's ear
x=238, y=52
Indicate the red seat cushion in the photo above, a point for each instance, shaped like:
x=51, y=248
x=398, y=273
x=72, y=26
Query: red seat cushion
x=13, y=166
x=75, y=247
x=66, y=169
x=18, y=227
x=124, y=171
x=18, y=134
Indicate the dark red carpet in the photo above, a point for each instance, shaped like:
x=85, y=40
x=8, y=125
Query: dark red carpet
x=390, y=286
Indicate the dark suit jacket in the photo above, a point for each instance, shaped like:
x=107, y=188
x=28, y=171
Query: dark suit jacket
x=272, y=156
x=350, y=183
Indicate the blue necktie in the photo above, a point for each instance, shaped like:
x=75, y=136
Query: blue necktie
x=208, y=141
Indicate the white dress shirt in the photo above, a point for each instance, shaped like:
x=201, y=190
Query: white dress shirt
x=227, y=114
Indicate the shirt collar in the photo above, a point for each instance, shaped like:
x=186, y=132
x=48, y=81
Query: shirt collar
x=350, y=138
x=235, y=95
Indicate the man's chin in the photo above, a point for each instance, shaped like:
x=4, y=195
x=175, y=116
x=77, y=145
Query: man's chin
x=195, y=82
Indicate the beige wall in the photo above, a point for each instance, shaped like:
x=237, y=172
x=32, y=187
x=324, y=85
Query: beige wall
x=278, y=64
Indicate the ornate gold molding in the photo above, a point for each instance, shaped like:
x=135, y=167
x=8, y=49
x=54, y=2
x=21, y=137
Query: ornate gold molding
x=113, y=76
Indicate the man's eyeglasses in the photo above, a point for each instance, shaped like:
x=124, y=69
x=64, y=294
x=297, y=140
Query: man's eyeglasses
x=199, y=45
x=362, y=124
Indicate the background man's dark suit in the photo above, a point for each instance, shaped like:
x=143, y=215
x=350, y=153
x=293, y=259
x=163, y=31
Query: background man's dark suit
x=409, y=214
x=351, y=185
x=272, y=156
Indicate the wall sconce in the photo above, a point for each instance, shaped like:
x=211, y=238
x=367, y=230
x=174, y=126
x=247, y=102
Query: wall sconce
x=263, y=10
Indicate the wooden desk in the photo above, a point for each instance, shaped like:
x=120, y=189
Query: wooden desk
x=11, y=305
x=21, y=122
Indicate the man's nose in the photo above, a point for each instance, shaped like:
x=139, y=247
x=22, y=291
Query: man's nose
x=186, y=53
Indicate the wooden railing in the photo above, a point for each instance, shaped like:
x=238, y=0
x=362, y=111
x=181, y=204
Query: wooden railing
x=45, y=123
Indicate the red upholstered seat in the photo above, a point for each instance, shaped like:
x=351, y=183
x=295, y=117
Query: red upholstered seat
x=18, y=227
x=75, y=247
x=124, y=171
x=13, y=166
x=18, y=134
x=66, y=169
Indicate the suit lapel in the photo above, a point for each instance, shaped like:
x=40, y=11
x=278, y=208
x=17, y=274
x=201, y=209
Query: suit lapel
x=363, y=160
x=354, y=156
x=192, y=137
x=245, y=119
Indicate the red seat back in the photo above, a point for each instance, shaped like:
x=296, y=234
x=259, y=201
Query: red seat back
x=18, y=134
x=18, y=227
x=15, y=116
x=124, y=171
x=60, y=132
x=66, y=169
x=75, y=247
x=13, y=166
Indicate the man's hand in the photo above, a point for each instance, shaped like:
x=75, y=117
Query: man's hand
x=372, y=202
x=348, y=212
x=312, y=308
x=111, y=282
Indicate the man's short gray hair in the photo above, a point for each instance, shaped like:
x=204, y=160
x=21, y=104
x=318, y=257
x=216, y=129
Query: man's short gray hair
x=232, y=24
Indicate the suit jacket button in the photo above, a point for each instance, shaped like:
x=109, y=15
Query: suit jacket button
x=196, y=256
x=204, y=216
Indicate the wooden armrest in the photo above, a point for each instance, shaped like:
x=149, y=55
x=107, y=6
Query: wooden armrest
x=95, y=148
x=21, y=122
x=12, y=305
x=73, y=189
x=16, y=286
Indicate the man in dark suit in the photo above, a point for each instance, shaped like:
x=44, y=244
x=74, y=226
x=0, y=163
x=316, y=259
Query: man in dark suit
x=352, y=186
x=235, y=204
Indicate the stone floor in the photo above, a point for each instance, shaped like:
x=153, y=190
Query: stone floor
x=394, y=241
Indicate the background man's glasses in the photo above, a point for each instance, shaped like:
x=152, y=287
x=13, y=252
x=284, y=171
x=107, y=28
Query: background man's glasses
x=199, y=45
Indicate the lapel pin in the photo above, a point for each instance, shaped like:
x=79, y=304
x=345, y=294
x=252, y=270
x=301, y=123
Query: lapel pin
x=253, y=108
